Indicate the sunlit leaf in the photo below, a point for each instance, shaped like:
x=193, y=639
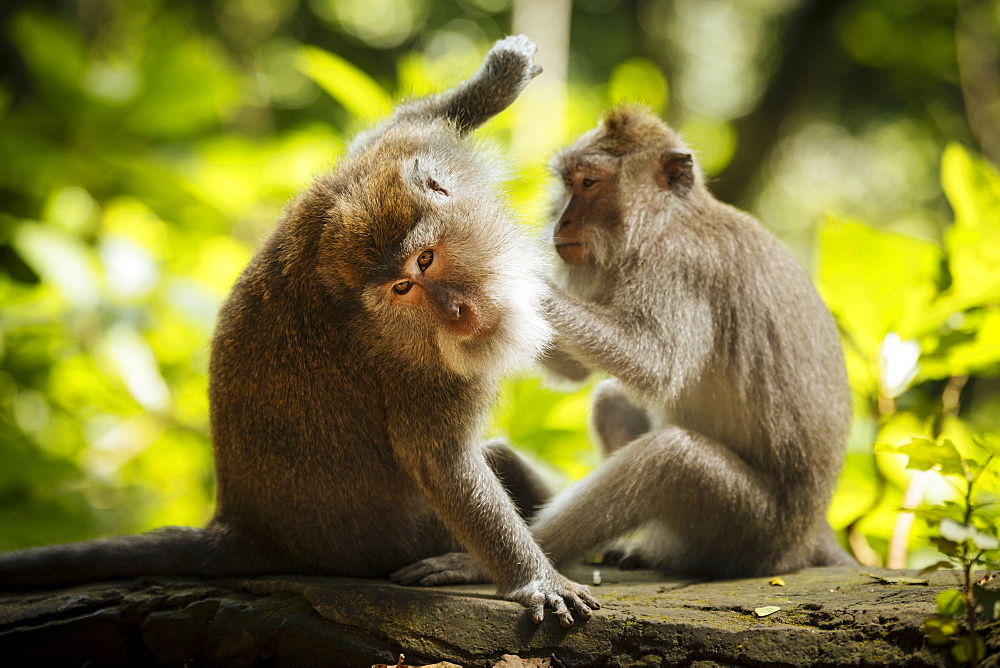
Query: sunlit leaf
x=950, y=603
x=973, y=189
x=897, y=275
x=901, y=579
x=63, y=260
x=766, y=610
x=937, y=566
x=967, y=646
x=925, y=455
x=946, y=547
x=353, y=88
x=199, y=69
x=940, y=629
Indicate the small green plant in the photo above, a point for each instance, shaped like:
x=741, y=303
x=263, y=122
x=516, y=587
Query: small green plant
x=967, y=536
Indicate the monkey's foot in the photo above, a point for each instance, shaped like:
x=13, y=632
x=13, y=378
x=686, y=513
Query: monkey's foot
x=559, y=593
x=627, y=558
x=450, y=568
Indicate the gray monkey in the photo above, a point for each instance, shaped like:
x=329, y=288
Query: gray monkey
x=726, y=412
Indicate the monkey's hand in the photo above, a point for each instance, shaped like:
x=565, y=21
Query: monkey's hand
x=562, y=365
x=450, y=568
x=552, y=590
x=506, y=70
x=557, y=592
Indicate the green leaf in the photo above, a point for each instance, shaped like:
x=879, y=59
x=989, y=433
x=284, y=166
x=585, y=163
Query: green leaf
x=933, y=568
x=946, y=547
x=902, y=579
x=939, y=629
x=972, y=186
x=361, y=95
x=925, y=455
x=950, y=603
x=988, y=442
x=766, y=610
x=898, y=276
x=984, y=541
x=966, y=647
x=955, y=531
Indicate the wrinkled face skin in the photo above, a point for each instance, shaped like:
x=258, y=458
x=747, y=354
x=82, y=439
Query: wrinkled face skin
x=424, y=284
x=589, y=210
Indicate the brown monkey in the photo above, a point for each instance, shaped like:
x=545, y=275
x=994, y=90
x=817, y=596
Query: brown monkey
x=726, y=413
x=352, y=369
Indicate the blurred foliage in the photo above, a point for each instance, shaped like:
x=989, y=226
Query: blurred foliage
x=145, y=148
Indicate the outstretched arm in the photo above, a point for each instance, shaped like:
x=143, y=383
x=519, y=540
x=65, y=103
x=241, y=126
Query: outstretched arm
x=505, y=71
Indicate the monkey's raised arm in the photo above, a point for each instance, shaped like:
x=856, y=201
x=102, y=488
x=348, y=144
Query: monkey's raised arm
x=634, y=349
x=506, y=70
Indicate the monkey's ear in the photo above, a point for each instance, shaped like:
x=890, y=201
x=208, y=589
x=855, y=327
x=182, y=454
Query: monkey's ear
x=427, y=178
x=676, y=171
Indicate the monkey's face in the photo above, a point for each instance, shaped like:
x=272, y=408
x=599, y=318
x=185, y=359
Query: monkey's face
x=459, y=288
x=587, y=218
x=429, y=289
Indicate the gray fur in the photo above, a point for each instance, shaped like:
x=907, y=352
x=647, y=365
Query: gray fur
x=725, y=415
x=715, y=337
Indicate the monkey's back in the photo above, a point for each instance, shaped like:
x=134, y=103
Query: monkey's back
x=776, y=371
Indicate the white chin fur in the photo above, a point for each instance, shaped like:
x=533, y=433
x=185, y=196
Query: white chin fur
x=521, y=335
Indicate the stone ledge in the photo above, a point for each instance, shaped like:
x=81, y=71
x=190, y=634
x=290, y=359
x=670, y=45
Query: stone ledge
x=827, y=617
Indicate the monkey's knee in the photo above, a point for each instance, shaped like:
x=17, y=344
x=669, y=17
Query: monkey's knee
x=617, y=421
x=523, y=484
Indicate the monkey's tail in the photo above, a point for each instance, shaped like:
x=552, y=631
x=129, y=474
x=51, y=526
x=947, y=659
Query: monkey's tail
x=177, y=551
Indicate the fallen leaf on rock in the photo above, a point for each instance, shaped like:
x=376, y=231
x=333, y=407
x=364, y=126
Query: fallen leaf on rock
x=766, y=610
x=901, y=580
x=777, y=582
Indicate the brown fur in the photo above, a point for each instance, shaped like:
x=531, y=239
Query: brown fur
x=345, y=415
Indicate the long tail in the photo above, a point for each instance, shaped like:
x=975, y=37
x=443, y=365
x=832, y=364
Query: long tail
x=178, y=551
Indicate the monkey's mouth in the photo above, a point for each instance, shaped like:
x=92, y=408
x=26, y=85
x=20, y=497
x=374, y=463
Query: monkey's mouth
x=570, y=251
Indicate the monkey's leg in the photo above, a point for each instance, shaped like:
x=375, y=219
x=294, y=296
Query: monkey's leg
x=697, y=488
x=523, y=484
x=617, y=421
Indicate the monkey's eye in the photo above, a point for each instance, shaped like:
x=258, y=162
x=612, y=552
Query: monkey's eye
x=425, y=259
x=587, y=183
x=402, y=287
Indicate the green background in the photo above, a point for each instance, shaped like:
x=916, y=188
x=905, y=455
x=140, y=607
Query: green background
x=146, y=147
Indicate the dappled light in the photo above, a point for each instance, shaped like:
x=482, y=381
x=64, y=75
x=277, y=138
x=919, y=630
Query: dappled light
x=146, y=149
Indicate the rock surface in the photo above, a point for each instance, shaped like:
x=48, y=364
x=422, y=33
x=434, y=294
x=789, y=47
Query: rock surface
x=826, y=617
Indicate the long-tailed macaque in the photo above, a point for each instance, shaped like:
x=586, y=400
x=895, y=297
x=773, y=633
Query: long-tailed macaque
x=726, y=412
x=352, y=369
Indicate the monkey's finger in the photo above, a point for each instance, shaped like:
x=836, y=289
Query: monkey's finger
x=591, y=602
x=537, y=604
x=578, y=605
x=558, y=606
